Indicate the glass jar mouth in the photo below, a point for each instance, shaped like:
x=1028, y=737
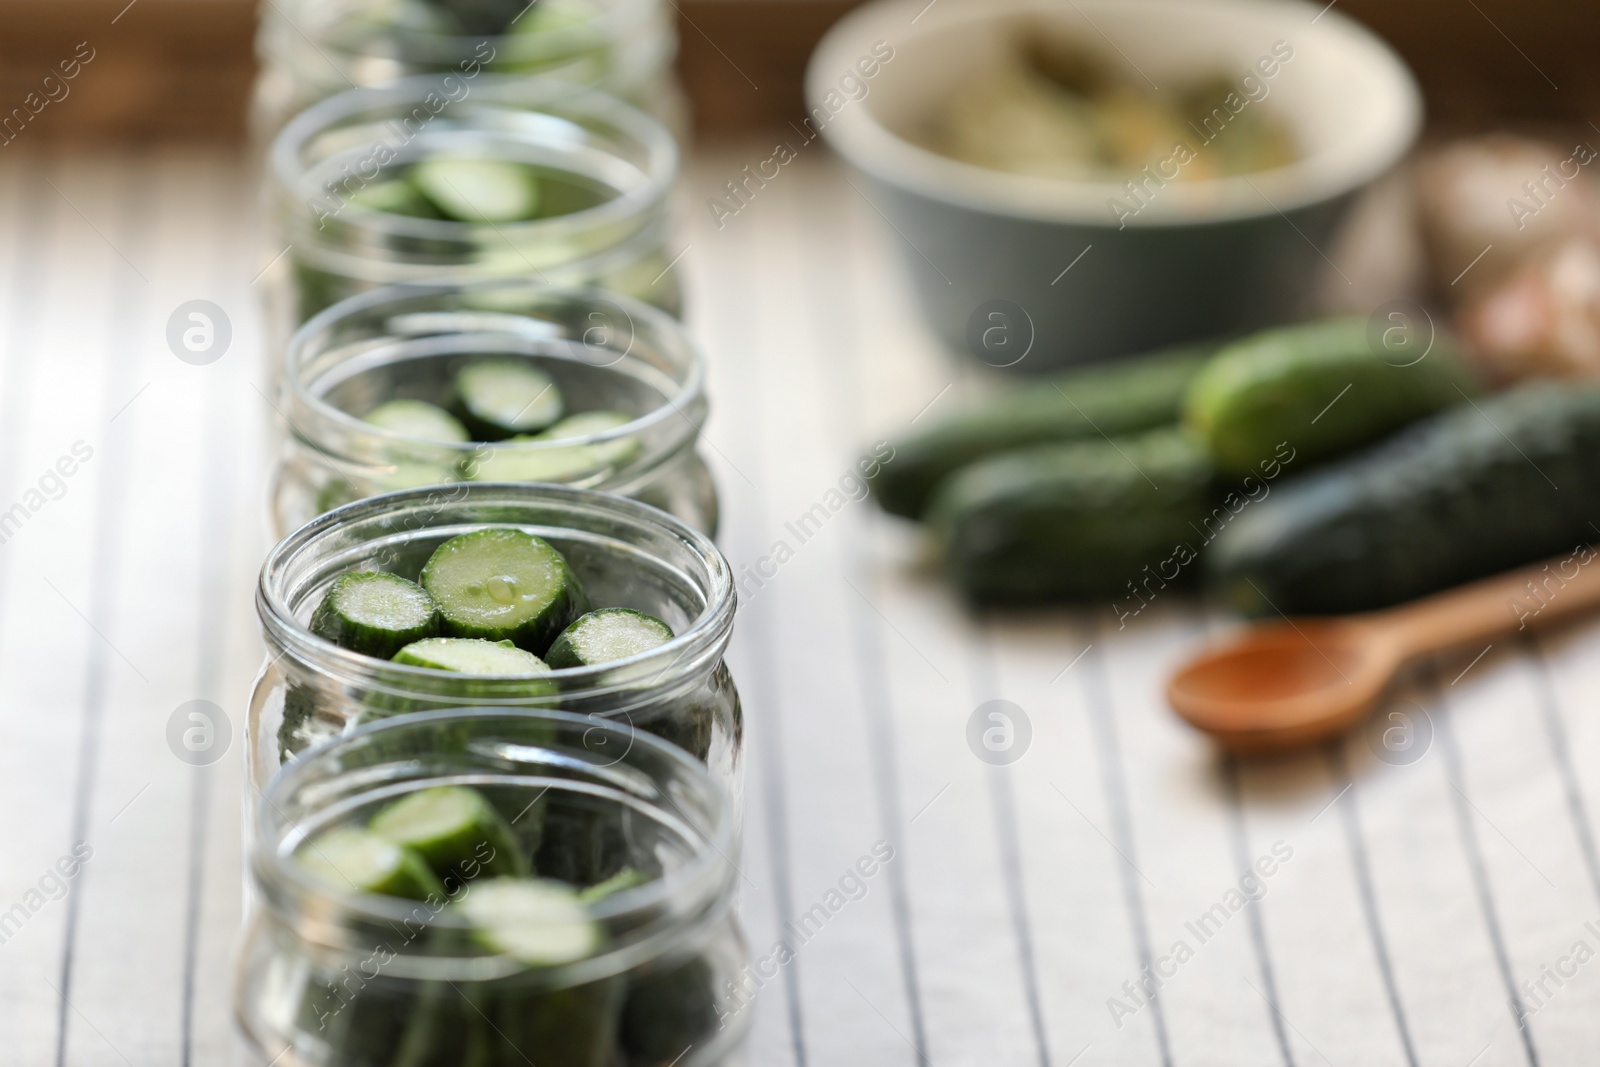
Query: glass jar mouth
x=419, y=45
x=385, y=326
x=548, y=116
x=296, y=572
x=529, y=747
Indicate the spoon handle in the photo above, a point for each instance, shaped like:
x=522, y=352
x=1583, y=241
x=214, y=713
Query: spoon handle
x=1542, y=592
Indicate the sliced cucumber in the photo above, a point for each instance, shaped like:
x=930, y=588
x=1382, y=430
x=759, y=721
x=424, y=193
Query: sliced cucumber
x=457, y=830
x=352, y=860
x=478, y=190
x=534, y=920
x=395, y=197
x=627, y=878
x=617, y=452
x=375, y=613
x=559, y=464
x=502, y=584
x=418, y=418
x=471, y=656
x=499, y=398
x=606, y=635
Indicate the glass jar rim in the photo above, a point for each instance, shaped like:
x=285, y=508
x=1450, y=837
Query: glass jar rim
x=699, y=881
x=609, y=24
x=549, y=95
x=667, y=334
x=703, y=639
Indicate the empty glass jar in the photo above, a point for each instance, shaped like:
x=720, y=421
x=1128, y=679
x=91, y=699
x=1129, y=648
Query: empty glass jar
x=603, y=353
x=457, y=975
x=624, y=554
x=602, y=171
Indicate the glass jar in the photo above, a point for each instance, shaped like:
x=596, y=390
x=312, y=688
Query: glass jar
x=329, y=979
x=625, y=554
x=603, y=352
x=313, y=49
x=614, y=164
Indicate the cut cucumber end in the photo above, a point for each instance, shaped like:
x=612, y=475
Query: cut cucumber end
x=539, y=922
x=454, y=828
x=375, y=613
x=500, y=398
x=351, y=860
x=503, y=584
x=607, y=635
x=420, y=419
x=478, y=190
x=468, y=655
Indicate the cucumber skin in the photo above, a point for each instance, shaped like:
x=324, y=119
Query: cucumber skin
x=1318, y=386
x=327, y=623
x=1447, y=501
x=1071, y=521
x=1123, y=397
x=668, y=1010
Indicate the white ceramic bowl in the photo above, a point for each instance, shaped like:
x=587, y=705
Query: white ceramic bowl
x=1197, y=258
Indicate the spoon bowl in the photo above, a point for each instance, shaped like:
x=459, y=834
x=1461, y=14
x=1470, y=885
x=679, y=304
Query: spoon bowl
x=1288, y=684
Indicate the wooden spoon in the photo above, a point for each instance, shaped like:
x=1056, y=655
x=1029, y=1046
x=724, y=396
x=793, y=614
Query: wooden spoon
x=1287, y=684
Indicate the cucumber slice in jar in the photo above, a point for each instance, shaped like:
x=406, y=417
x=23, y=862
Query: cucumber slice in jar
x=467, y=655
x=375, y=613
x=498, y=398
x=457, y=830
x=478, y=190
x=559, y=464
x=395, y=197
x=351, y=860
x=502, y=584
x=418, y=418
x=533, y=920
x=606, y=635
x=617, y=452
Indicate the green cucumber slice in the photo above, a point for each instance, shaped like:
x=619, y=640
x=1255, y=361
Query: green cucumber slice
x=351, y=860
x=375, y=613
x=502, y=584
x=418, y=418
x=627, y=878
x=478, y=190
x=606, y=635
x=395, y=197
x=467, y=655
x=457, y=830
x=537, y=921
x=498, y=398
x=559, y=464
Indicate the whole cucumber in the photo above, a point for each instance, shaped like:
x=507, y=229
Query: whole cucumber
x=1126, y=396
x=1476, y=490
x=1071, y=520
x=1318, y=386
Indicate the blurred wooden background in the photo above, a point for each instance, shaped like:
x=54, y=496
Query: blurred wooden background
x=182, y=68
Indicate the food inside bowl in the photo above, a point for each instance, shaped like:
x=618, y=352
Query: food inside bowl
x=1053, y=109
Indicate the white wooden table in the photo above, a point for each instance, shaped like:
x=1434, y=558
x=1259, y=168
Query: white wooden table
x=1406, y=907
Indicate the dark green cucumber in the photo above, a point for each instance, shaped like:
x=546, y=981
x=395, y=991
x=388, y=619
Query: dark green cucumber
x=469, y=655
x=1122, y=397
x=1319, y=387
x=418, y=418
x=606, y=635
x=1482, y=488
x=504, y=585
x=668, y=1009
x=375, y=613
x=470, y=189
x=1072, y=520
x=457, y=830
x=497, y=398
x=347, y=859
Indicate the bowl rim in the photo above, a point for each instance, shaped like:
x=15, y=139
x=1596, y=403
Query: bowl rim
x=869, y=146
